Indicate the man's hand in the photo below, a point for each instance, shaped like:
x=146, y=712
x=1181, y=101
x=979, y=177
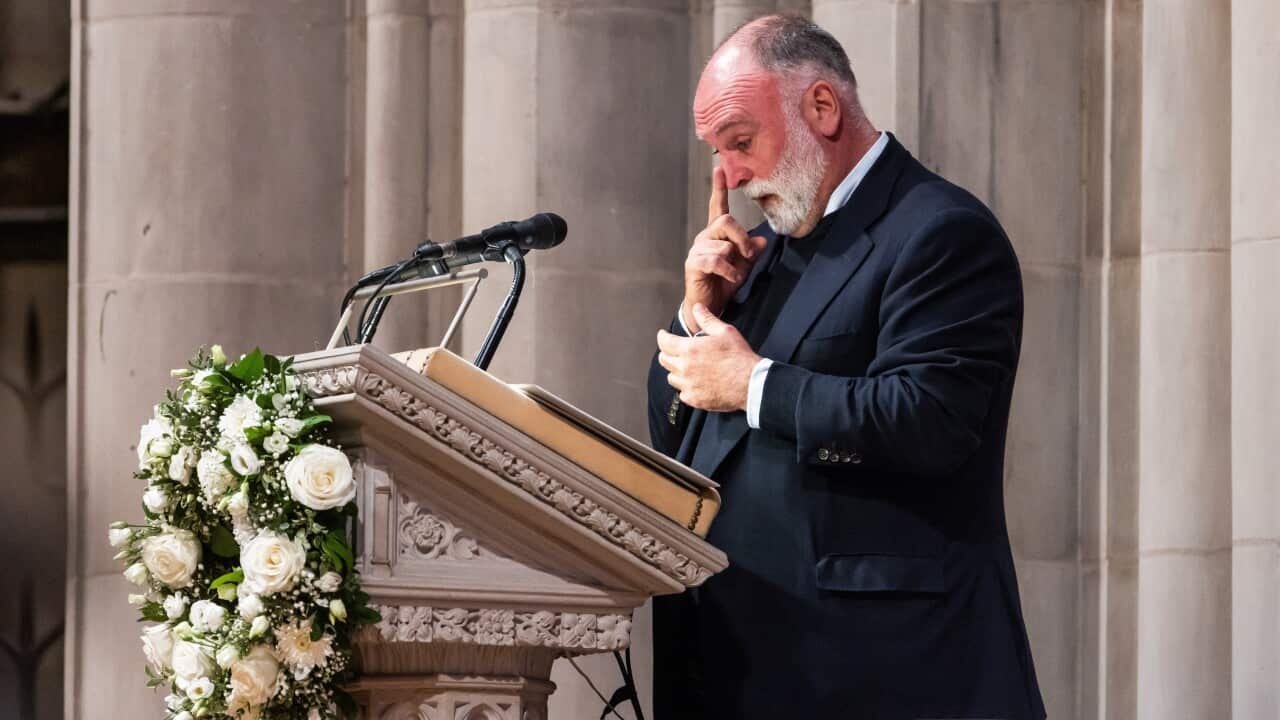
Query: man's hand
x=713, y=371
x=720, y=258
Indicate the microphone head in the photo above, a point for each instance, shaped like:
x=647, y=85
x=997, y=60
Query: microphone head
x=544, y=230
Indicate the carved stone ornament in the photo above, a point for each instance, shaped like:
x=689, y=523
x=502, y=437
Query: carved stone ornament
x=427, y=536
x=565, y=631
x=483, y=451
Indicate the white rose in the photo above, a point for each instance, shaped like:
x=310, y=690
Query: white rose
x=161, y=447
x=253, y=680
x=275, y=443
x=238, y=504
x=290, y=426
x=244, y=460
x=174, y=606
x=136, y=574
x=207, y=616
x=227, y=655
x=200, y=689
x=137, y=600
x=240, y=414
x=250, y=607
x=119, y=536
x=155, y=499
x=155, y=428
x=215, y=478
x=180, y=465
x=329, y=582
x=271, y=563
x=171, y=556
x=320, y=477
x=191, y=662
x=157, y=645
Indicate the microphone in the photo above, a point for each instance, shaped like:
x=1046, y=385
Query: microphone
x=540, y=232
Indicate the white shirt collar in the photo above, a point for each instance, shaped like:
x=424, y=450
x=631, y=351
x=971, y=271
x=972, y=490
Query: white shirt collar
x=840, y=196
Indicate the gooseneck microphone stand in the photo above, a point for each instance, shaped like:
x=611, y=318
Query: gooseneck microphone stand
x=512, y=255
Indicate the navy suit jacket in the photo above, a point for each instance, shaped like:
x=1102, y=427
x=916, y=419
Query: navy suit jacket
x=870, y=573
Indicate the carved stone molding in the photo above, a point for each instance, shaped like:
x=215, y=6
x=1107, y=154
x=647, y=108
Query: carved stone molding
x=328, y=382
x=504, y=628
x=427, y=536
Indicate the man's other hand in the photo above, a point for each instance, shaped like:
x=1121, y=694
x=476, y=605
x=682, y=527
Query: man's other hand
x=720, y=258
x=711, y=371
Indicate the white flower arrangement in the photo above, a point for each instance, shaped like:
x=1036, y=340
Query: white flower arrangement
x=243, y=563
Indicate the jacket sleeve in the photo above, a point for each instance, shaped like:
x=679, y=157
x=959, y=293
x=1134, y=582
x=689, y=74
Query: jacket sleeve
x=667, y=415
x=950, y=323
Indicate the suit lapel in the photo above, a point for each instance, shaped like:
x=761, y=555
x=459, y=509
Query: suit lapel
x=839, y=256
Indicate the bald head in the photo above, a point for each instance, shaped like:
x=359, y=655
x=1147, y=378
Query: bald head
x=778, y=97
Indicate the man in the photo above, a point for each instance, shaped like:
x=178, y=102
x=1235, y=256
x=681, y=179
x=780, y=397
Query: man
x=845, y=374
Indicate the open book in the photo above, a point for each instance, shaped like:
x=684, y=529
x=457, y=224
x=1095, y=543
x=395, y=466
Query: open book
x=676, y=491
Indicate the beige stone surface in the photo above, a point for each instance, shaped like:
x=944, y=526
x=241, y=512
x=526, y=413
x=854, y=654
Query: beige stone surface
x=1184, y=636
x=1186, y=134
x=1185, y=390
x=1119, y=642
x=1255, y=104
x=1050, y=604
x=1255, y=394
x=1255, y=625
x=1122, y=422
x=1041, y=490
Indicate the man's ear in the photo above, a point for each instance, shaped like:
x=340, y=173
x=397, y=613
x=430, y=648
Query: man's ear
x=822, y=109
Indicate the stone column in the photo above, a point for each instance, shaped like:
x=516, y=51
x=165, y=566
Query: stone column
x=1109, y=417
x=593, y=124
x=1255, y=345
x=208, y=184
x=412, y=155
x=1184, y=534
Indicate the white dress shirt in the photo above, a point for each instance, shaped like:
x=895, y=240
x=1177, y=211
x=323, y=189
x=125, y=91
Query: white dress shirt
x=839, y=198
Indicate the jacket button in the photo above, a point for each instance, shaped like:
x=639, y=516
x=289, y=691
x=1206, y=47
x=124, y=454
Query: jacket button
x=823, y=454
x=855, y=458
x=846, y=458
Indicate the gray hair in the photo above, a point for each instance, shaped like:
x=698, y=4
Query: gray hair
x=796, y=48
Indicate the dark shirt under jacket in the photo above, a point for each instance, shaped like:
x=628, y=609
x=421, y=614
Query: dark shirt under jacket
x=870, y=573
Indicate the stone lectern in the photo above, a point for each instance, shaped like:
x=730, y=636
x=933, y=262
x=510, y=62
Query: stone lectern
x=487, y=554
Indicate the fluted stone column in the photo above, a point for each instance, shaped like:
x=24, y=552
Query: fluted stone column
x=1109, y=412
x=208, y=171
x=412, y=150
x=582, y=109
x=1184, y=535
x=1255, y=345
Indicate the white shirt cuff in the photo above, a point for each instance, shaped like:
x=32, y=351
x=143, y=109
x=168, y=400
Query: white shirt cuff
x=755, y=392
x=680, y=317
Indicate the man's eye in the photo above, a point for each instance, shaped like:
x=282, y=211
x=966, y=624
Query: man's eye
x=714, y=151
x=742, y=145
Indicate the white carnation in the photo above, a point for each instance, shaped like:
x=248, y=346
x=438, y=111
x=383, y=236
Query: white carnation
x=191, y=662
x=271, y=563
x=215, y=478
x=320, y=478
x=240, y=414
x=174, y=606
x=172, y=556
x=290, y=426
x=253, y=680
x=207, y=616
x=227, y=655
x=244, y=460
x=275, y=443
x=157, y=645
x=156, y=500
x=329, y=582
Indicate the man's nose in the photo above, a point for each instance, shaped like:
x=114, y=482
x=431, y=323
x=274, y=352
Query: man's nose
x=735, y=174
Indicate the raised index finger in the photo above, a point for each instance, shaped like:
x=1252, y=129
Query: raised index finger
x=719, y=204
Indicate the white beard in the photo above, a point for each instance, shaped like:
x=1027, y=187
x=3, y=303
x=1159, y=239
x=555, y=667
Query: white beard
x=794, y=182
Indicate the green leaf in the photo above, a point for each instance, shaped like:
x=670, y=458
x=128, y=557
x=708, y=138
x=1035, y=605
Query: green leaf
x=249, y=367
x=153, y=612
x=272, y=364
x=367, y=616
x=335, y=544
x=255, y=434
x=317, y=628
x=223, y=543
x=235, y=576
x=313, y=421
x=345, y=702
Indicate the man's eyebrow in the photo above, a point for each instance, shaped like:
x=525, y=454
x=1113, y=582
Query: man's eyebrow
x=730, y=123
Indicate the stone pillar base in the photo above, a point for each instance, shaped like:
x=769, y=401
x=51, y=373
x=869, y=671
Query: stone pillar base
x=452, y=697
